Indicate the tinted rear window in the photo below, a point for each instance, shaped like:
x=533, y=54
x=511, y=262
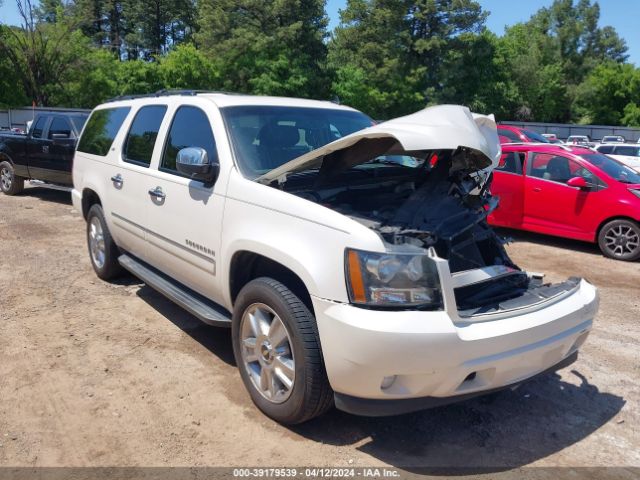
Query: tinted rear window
x=101, y=129
x=605, y=149
x=78, y=122
x=630, y=151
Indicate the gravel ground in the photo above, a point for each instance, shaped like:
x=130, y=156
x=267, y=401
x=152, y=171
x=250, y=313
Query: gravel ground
x=98, y=374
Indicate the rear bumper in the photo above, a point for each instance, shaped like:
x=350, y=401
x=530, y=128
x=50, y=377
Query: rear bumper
x=382, y=408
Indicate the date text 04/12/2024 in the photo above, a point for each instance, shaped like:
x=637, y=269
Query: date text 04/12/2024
x=319, y=472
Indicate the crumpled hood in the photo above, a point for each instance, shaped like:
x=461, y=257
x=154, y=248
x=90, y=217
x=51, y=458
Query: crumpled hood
x=442, y=127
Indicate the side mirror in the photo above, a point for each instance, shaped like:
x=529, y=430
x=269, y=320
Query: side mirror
x=194, y=163
x=578, y=182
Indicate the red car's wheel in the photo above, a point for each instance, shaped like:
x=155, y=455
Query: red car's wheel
x=620, y=239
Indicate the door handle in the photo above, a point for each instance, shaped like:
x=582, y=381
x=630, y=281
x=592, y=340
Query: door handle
x=117, y=181
x=45, y=149
x=157, y=193
x=537, y=189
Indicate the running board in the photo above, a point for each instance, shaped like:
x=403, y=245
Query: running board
x=194, y=303
x=50, y=186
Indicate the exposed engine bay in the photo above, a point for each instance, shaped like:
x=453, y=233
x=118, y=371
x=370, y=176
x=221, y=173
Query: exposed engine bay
x=441, y=200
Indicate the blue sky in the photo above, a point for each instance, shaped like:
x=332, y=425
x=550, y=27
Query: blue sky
x=623, y=15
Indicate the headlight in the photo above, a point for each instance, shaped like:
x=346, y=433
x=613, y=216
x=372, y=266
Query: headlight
x=636, y=192
x=392, y=279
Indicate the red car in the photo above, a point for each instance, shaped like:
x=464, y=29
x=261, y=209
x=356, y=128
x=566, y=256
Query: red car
x=510, y=134
x=569, y=191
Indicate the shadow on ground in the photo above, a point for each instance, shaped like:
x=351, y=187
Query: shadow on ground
x=487, y=434
x=215, y=339
x=48, y=195
x=493, y=433
x=548, y=240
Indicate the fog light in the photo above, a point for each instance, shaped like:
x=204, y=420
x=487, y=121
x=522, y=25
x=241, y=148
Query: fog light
x=387, y=382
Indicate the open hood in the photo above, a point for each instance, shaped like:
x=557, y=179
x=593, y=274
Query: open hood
x=442, y=127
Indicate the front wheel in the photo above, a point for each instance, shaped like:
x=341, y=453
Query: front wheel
x=277, y=349
x=10, y=183
x=620, y=239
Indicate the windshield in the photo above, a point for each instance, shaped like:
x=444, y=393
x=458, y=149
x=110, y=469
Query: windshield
x=535, y=136
x=612, y=167
x=265, y=137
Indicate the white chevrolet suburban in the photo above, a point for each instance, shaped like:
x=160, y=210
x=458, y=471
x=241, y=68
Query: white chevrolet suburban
x=352, y=261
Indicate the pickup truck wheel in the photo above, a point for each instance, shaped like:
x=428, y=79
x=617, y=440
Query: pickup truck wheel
x=10, y=183
x=103, y=251
x=277, y=350
x=620, y=239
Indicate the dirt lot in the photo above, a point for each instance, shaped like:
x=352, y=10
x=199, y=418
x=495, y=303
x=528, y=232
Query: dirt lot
x=98, y=374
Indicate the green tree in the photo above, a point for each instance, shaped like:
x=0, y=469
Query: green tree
x=266, y=46
x=535, y=68
x=39, y=52
x=631, y=116
x=607, y=93
x=396, y=51
x=187, y=68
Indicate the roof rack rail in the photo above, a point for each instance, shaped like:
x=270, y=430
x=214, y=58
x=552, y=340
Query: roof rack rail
x=166, y=93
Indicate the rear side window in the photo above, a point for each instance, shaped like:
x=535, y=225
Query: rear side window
x=138, y=147
x=60, y=126
x=190, y=128
x=511, y=162
x=101, y=129
x=78, y=122
x=36, y=132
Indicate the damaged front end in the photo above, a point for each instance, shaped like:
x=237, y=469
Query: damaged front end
x=429, y=206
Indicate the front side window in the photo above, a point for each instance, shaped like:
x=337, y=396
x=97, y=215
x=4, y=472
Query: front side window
x=60, y=126
x=38, y=127
x=101, y=129
x=190, y=128
x=265, y=137
x=138, y=147
x=558, y=168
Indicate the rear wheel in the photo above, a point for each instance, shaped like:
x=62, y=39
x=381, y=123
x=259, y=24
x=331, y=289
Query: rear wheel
x=103, y=251
x=10, y=183
x=620, y=239
x=277, y=349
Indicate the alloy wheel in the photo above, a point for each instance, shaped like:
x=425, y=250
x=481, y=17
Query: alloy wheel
x=622, y=240
x=96, y=242
x=266, y=352
x=6, y=178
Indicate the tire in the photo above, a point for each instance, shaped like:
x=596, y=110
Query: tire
x=258, y=351
x=103, y=252
x=620, y=239
x=10, y=183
